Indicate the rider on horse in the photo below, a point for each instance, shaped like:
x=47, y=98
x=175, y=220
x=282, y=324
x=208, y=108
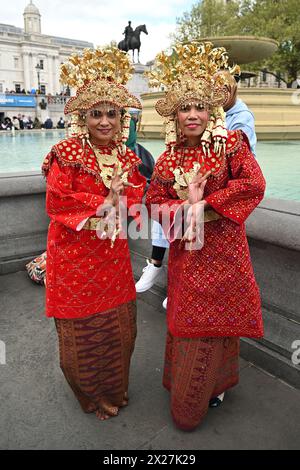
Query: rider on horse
x=132, y=39
x=128, y=33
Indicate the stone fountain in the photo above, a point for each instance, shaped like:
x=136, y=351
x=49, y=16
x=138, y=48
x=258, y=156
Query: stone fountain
x=276, y=110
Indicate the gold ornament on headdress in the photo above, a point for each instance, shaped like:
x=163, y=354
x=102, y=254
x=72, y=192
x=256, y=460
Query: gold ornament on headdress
x=190, y=76
x=99, y=76
x=109, y=63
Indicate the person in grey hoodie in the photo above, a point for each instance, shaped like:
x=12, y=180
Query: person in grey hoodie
x=238, y=115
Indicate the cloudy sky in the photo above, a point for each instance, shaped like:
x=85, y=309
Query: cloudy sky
x=100, y=21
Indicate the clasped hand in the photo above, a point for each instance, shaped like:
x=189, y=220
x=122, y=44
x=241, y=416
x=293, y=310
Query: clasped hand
x=197, y=205
x=116, y=188
x=110, y=209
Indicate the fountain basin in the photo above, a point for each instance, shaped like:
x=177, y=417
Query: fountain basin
x=276, y=112
x=245, y=49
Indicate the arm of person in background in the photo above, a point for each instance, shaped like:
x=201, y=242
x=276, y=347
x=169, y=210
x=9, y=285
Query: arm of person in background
x=244, y=121
x=147, y=162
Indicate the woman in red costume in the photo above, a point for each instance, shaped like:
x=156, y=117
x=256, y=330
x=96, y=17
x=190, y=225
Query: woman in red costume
x=213, y=298
x=90, y=288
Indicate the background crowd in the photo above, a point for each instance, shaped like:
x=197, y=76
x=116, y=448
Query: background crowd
x=35, y=92
x=22, y=122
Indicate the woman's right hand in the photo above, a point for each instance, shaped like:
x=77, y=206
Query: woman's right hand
x=116, y=188
x=197, y=186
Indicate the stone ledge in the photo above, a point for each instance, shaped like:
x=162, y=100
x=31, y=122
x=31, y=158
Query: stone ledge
x=274, y=221
x=273, y=231
x=271, y=361
x=27, y=182
x=17, y=264
x=277, y=222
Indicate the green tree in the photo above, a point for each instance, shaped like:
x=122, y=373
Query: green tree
x=276, y=19
x=207, y=18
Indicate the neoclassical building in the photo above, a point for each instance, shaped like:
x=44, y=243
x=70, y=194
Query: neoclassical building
x=21, y=50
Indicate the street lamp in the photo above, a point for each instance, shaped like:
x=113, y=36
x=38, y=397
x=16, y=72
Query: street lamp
x=38, y=68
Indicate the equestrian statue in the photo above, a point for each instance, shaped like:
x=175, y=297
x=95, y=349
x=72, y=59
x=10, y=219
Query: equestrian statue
x=132, y=41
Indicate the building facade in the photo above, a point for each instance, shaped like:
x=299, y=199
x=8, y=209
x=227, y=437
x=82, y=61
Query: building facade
x=30, y=60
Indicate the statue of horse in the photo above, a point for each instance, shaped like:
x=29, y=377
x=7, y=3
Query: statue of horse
x=133, y=41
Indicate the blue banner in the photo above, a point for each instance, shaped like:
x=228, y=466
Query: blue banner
x=20, y=101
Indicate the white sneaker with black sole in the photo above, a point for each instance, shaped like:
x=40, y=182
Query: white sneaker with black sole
x=150, y=274
x=216, y=401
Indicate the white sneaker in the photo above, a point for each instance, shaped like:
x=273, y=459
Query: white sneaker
x=148, y=278
x=165, y=303
x=216, y=401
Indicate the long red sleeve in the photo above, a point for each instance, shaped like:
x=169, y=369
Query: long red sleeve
x=65, y=205
x=134, y=195
x=244, y=190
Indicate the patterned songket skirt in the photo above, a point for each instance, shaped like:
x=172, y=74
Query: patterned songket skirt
x=95, y=355
x=196, y=370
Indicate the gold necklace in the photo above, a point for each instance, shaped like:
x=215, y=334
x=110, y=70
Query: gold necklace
x=106, y=159
x=107, y=164
x=184, y=178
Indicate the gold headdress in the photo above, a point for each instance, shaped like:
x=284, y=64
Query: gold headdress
x=190, y=75
x=99, y=76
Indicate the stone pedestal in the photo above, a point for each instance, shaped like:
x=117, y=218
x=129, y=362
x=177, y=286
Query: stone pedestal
x=41, y=113
x=138, y=84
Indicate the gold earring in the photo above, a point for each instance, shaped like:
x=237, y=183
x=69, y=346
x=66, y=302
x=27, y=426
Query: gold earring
x=171, y=132
x=125, y=130
x=79, y=128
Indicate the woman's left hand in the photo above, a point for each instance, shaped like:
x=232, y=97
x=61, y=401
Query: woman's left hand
x=197, y=186
x=195, y=216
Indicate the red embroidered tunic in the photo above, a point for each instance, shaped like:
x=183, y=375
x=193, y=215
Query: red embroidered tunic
x=84, y=274
x=212, y=291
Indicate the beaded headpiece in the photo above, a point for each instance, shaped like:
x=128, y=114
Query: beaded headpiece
x=190, y=75
x=98, y=76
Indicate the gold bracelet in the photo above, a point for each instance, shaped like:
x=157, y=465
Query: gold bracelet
x=211, y=215
x=91, y=223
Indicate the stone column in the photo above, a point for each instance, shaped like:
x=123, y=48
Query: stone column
x=50, y=75
x=56, y=74
x=34, y=62
x=26, y=66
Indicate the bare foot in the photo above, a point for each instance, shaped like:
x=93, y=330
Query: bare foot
x=103, y=415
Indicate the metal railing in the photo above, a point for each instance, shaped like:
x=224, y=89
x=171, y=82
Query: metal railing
x=58, y=100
